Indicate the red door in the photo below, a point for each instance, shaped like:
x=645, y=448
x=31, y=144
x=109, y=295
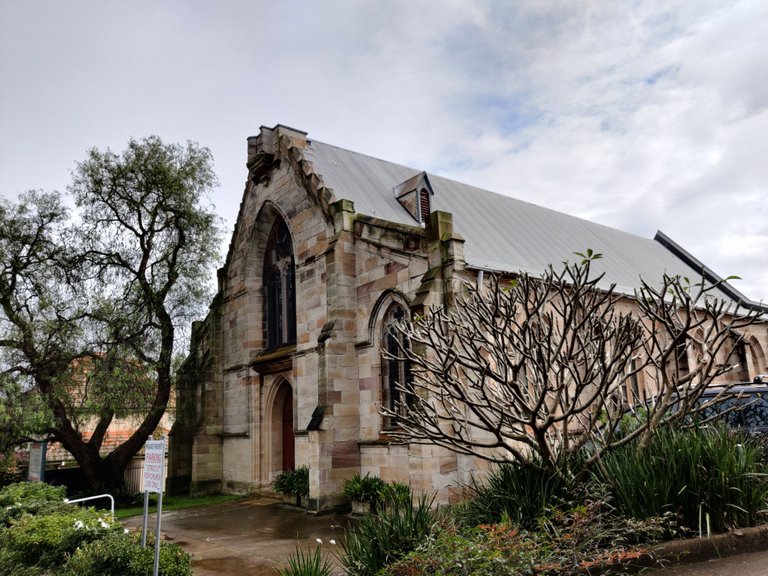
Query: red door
x=289, y=450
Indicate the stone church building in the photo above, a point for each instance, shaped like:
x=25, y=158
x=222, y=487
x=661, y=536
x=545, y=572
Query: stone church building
x=330, y=247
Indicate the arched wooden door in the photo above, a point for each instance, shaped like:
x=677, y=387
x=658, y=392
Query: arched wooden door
x=289, y=449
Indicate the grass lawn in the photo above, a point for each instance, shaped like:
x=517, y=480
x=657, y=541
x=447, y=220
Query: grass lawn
x=175, y=503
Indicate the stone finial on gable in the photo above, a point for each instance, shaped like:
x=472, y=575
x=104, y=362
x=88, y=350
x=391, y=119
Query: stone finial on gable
x=297, y=138
x=415, y=195
x=263, y=149
x=261, y=155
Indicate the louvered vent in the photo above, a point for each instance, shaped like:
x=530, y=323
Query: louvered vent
x=424, y=204
x=415, y=196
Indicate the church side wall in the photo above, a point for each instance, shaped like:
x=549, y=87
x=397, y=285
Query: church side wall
x=395, y=266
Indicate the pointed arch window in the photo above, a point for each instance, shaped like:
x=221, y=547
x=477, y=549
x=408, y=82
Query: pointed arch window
x=738, y=357
x=279, y=287
x=635, y=392
x=396, y=368
x=677, y=363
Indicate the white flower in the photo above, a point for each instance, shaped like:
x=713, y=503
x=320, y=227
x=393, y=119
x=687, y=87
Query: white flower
x=318, y=540
x=103, y=524
x=333, y=541
x=79, y=525
x=125, y=530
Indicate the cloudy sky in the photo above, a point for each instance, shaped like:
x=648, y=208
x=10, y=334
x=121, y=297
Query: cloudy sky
x=639, y=115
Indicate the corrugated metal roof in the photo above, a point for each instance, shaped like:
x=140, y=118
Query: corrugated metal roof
x=501, y=233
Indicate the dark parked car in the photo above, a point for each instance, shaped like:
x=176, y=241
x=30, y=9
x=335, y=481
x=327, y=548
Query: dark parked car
x=744, y=407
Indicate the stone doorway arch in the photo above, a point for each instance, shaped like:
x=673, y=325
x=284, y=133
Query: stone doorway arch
x=283, y=447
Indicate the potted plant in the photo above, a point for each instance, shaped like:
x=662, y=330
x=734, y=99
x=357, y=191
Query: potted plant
x=301, y=485
x=293, y=485
x=364, y=491
x=284, y=484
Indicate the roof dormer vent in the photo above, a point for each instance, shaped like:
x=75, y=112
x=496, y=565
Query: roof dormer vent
x=415, y=195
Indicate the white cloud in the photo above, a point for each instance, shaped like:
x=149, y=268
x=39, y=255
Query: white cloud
x=640, y=115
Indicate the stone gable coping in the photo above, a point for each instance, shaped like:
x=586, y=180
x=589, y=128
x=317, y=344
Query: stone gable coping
x=319, y=193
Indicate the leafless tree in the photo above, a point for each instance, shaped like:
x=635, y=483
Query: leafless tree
x=532, y=369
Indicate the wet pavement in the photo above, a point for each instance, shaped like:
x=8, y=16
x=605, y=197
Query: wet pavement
x=256, y=535
x=251, y=536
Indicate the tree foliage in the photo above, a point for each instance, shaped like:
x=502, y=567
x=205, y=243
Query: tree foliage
x=40, y=315
x=92, y=301
x=534, y=368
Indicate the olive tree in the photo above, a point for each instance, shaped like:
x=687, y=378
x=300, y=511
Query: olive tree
x=93, y=302
x=39, y=314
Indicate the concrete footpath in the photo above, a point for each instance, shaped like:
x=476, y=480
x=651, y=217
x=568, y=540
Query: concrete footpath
x=251, y=536
x=256, y=535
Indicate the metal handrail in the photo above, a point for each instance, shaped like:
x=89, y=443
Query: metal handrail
x=111, y=499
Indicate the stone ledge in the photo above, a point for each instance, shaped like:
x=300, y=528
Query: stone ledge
x=691, y=550
x=668, y=555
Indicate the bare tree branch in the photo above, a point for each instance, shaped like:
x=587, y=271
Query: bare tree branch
x=536, y=368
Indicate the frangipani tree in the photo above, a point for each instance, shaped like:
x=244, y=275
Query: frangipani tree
x=533, y=368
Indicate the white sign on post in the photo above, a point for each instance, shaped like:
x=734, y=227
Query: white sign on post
x=154, y=481
x=154, y=458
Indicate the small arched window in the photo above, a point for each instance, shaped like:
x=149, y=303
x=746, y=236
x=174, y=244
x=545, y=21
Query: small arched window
x=677, y=363
x=279, y=287
x=738, y=357
x=634, y=394
x=396, y=369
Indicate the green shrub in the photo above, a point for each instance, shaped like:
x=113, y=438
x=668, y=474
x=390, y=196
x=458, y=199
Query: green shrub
x=381, y=539
x=293, y=482
x=307, y=564
x=593, y=526
x=692, y=474
x=29, y=498
x=283, y=483
x=33, y=491
x=301, y=481
x=480, y=552
x=395, y=492
x=585, y=539
x=521, y=492
x=10, y=470
x=364, y=488
x=45, y=541
x=120, y=554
